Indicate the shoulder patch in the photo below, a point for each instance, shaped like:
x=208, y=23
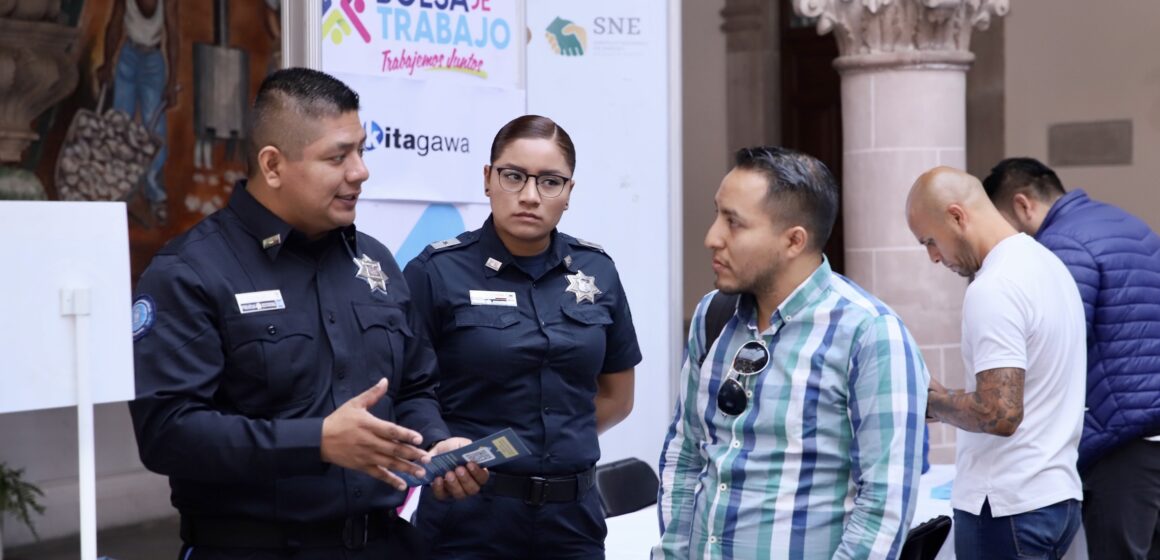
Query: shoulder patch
x=590, y=244
x=446, y=243
x=144, y=314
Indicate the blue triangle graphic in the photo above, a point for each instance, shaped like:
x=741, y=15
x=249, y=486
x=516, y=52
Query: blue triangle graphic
x=439, y=221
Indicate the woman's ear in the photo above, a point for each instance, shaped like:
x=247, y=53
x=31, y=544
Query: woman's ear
x=571, y=187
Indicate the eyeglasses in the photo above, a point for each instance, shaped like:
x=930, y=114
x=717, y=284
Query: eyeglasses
x=514, y=180
x=751, y=358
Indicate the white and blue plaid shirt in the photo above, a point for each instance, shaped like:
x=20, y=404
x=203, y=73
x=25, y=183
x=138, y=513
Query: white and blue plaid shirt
x=825, y=460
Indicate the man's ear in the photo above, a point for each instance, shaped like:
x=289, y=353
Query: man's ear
x=271, y=163
x=1023, y=207
x=957, y=216
x=796, y=240
x=486, y=176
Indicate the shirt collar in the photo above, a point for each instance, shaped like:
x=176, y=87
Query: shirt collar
x=270, y=232
x=805, y=295
x=494, y=249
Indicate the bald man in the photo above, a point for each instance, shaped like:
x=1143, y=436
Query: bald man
x=1016, y=491
x=283, y=376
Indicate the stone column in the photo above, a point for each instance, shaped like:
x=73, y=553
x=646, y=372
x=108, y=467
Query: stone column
x=752, y=73
x=903, y=65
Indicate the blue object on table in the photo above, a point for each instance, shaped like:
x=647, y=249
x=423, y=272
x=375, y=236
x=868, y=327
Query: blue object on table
x=942, y=491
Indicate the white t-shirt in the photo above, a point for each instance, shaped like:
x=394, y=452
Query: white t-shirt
x=1024, y=311
x=145, y=31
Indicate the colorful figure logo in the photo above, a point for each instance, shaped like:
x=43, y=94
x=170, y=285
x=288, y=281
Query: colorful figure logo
x=337, y=23
x=567, y=38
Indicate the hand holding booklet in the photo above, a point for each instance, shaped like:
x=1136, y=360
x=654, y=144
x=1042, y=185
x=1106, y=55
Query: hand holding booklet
x=496, y=449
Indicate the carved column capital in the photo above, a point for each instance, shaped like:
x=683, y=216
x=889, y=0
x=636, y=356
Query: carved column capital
x=926, y=33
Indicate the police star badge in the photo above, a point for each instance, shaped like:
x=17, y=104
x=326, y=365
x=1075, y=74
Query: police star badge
x=583, y=286
x=371, y=271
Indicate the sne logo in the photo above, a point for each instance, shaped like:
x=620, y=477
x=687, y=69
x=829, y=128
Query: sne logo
x=567, y=38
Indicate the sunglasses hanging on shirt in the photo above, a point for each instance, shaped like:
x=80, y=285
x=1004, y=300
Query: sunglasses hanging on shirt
x=750, y=359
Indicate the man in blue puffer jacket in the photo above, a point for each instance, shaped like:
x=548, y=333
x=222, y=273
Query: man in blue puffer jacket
x=1115, y=259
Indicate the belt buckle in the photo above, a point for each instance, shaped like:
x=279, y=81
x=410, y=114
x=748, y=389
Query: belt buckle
x=354, y=532
x=537, y=491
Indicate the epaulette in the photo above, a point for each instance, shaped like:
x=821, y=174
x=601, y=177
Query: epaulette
x=462, y=240
x=588, y=244
x=438, y=245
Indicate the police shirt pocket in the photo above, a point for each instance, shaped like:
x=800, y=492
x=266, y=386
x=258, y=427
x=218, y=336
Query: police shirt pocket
x=272, y=354
x=385, y=332
x=589, y=315
x=584, y=339
x=493, y=317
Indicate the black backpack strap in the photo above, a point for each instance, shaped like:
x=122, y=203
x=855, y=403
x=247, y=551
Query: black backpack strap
x=721, y=309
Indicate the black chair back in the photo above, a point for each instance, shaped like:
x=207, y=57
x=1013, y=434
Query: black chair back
x=626, y=486
x=924, y=542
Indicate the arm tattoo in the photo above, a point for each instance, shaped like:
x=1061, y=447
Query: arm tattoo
x=996, y=406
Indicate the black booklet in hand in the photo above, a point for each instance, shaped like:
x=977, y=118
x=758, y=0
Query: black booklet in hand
x=496, y=449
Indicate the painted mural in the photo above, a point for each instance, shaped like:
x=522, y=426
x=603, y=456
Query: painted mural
x=157, y=116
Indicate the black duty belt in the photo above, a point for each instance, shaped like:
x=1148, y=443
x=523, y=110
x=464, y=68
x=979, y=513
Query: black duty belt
x=351, y=533
x=539, y=490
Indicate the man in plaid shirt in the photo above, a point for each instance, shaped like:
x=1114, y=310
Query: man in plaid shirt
x=798, y=432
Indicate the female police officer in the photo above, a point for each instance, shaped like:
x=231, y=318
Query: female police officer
x=532, y=331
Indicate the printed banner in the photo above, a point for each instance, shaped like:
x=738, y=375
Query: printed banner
x=406, y=228
x=613, y=58
x=429, y=141
x=461, y=41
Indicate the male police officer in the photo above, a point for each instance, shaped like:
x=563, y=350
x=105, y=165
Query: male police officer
x=277, y=354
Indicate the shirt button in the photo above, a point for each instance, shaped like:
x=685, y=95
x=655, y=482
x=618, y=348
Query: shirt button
x=330, y=317
x=736, y=444
x=749, y=393
x=712, y=539
x=722, y=487
x=358, y=492
x=272, y=329
x=342, y=374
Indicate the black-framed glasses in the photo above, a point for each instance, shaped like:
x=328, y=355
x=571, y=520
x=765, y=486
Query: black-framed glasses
x=514, y=180
x=750, y=359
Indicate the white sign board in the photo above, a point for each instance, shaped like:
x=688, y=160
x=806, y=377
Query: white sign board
x=406, y=228
x=50, y=247
x=429, y=141
x=601, y=68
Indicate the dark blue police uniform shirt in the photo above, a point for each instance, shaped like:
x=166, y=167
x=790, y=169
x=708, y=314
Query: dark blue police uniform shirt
x=534, y=366
x=230, y=405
